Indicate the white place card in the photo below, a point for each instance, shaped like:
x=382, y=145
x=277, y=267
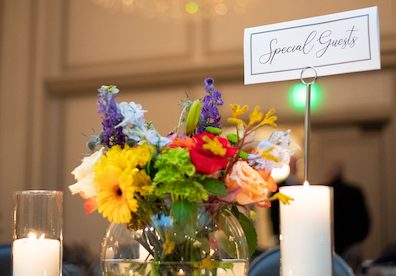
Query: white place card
x=334, y=44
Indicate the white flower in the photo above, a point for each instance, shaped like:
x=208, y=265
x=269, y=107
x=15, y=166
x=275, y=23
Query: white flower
x=281, y=138
x=111, y=89
x=274, y=152
x=84, y=174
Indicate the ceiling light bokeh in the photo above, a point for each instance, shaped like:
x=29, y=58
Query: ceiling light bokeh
x=177, y=8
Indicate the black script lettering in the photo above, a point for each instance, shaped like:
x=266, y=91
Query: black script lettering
x=270, y=55
x=351, y=41
x=308, y=41
x=324, y=41
x=304, y=48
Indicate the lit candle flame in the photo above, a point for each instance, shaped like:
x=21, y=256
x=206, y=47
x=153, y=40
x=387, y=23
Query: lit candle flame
x=33, y=236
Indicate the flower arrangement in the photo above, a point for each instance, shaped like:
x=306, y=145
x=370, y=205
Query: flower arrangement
x=133, y=171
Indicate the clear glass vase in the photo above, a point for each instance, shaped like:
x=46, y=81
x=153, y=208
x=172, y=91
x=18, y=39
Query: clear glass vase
x=209, y=241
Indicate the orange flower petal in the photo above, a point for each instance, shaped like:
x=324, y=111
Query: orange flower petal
x=90, y=205
x=271, y=184
x=186, y=142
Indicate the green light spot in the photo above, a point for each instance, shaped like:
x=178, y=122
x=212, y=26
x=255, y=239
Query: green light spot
x=191, y=7
x=297, y=96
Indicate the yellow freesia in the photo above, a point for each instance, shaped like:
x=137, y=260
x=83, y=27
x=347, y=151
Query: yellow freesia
x=284, y=199
x=269, y=118
x=236, y=121
x=255, y=117
x=237, y=110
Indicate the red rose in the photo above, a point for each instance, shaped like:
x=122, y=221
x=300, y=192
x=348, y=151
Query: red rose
x=211, y=153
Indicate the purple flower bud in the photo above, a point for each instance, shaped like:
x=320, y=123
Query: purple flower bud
x=210, y=115
x=110, y=117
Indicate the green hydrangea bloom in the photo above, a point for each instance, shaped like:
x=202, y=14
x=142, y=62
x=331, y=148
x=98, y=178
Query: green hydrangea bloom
x=175, y=176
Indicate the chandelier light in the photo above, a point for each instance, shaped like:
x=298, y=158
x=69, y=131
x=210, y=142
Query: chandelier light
x=177, y=8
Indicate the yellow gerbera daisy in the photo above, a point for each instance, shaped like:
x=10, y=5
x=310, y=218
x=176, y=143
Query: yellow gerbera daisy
x=117, y=179
x=116, y=194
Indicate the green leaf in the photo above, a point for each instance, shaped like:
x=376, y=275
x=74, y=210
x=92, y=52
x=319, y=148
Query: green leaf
x=214, y=187
x=249, y=230
x=183, y=211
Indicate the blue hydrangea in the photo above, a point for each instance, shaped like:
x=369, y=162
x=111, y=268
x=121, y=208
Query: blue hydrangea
x=135, y=127
x=133, y=114
x=163, y=221
x=154, y=138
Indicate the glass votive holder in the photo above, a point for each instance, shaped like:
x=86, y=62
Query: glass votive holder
x=37, y=233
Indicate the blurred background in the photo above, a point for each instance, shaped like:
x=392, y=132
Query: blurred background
x=55, y=54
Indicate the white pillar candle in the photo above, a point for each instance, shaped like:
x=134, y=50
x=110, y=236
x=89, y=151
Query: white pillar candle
x=36, y=257
x=306, y=231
